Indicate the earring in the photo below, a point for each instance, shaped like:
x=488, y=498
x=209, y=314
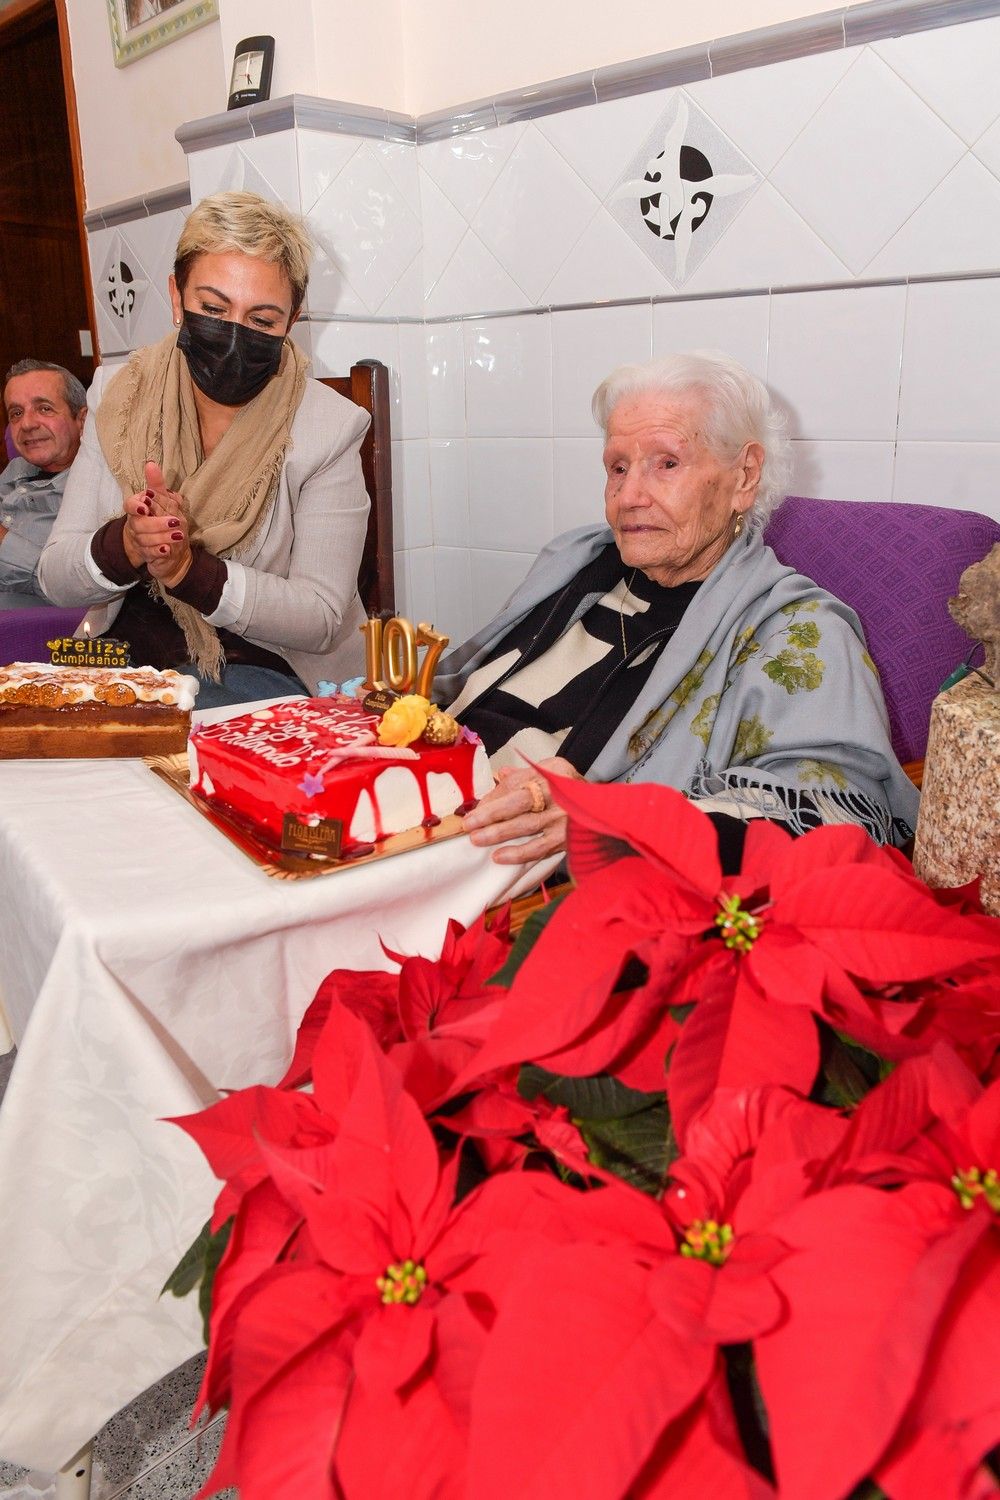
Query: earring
x=738, y=528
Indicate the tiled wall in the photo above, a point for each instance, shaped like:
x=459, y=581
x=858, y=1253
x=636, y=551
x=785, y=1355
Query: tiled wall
x=849, y=255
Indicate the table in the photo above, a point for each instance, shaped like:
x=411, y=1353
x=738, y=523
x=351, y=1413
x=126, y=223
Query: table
x=147, y=963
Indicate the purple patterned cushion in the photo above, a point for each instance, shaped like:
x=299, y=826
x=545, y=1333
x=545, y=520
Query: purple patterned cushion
x=24, y=632
x=897, y=566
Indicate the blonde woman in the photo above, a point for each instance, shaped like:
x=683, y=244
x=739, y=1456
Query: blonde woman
x=216, y=513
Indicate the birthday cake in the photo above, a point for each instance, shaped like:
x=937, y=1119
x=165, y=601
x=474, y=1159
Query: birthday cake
x=83, y=712
x=316, y=775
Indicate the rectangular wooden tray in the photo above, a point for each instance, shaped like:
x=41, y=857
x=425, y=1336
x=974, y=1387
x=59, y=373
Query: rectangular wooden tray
x=173, y=769
x=91, y=742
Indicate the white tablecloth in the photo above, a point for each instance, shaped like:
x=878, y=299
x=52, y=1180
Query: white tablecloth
x=146, y=964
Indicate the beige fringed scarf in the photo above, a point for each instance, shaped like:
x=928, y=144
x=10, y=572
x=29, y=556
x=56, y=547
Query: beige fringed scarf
x=148, y=413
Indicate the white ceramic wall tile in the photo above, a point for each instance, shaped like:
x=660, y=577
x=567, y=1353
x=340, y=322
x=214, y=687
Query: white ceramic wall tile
x=508, y=377
x=953, y=68
x=736, y=325
x=535, y=212
x=422, y=603
x=275, y=158
x=495, y=576
x=445, y=373
x=510, y=493
x=578, y=483
x=599, y=140
x=466, y=166
x=951, y=375
x=337, y=346
x=964, y=476
x=834, y=361
x=452, y=592
x=603, y=266
x=670, y=220
x=153, y=321
x=217, y=169
x=406, y=299
x=411, y=494
x=443, y=229
x=110, y=334
x=763, y=109
x=302, y=334
x=871, y=153
x=329, y=292
x=769, y=245
x=412, y=380
x=155, y=240
x=322, y=157
x=987, y=148
x=401, y=583
x=119, y=291
x=365, y=219
x=449, y=492
x=842, y=471
x=956, y=229
x=473, y=281
x=586, y=346
x=400, y=161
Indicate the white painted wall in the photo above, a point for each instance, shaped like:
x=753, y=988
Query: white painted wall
x=456, y=52
x=128, y=115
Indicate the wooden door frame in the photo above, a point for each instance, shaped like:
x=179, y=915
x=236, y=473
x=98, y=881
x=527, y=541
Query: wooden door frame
x=22, y=16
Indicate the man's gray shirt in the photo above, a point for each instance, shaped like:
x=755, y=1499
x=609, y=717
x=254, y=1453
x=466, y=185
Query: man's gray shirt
x=29, y=503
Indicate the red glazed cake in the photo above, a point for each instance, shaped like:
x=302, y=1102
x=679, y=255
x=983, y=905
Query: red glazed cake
x=319, y=759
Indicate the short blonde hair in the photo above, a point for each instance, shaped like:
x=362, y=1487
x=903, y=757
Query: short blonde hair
x=248, y=223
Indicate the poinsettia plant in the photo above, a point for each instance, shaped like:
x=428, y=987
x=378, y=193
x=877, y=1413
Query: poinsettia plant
x=694, y=1187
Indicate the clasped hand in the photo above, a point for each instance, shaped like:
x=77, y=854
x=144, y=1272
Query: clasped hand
x=520, y=806
x=156, y=530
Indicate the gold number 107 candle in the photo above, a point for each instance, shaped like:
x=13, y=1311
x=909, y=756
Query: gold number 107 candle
x=391, y=649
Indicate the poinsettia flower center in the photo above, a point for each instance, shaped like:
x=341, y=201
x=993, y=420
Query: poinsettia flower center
x=402, y=1284
x=739, y=929
x=973, y=1184
x=704, y=1239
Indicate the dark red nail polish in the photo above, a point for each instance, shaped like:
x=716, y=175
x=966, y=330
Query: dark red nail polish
x=142, y=510
x=149, y=495
x=164, y=549
x=173, y=521
x=177, y=536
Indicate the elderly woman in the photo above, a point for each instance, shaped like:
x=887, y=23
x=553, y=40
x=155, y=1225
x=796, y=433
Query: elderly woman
x=671, y=645
x=216, y=513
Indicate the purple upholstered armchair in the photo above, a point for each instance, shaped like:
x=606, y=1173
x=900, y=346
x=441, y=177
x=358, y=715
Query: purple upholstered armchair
x=24, y=632
x=897, y=566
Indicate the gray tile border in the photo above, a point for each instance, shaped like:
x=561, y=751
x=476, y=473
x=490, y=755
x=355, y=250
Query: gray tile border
x=442, y=124
x=774, y=44
x=216, y=130
x=644, y=74
x=547, y=99
x=178, y=196
x=884, y=18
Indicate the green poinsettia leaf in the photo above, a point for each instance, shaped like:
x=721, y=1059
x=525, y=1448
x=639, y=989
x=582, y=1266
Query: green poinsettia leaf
x=593, y=1099
x=526, y=940
x=191, y=1267
x=639, y=1148
x=213, y=1254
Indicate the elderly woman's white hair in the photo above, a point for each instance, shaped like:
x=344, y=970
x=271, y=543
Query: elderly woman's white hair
x=740, y=410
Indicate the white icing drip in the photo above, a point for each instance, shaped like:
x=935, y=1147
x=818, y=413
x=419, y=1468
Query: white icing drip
x=80, y=684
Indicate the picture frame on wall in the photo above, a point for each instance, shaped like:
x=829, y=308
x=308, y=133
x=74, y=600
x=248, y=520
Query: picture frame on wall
x=140, y=26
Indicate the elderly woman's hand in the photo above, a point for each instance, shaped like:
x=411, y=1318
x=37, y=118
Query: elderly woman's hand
x=520, y=806
x=156, y=532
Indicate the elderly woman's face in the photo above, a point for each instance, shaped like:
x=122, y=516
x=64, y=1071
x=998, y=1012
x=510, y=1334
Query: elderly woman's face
x=238, y=288
x=670, y=502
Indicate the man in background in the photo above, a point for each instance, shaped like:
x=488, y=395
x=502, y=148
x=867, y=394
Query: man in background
x=46, y=408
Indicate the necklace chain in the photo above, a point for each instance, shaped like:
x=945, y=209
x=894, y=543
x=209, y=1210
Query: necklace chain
x=621, y=610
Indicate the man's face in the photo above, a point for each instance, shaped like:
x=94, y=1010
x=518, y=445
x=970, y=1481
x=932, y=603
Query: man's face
x=44, y=430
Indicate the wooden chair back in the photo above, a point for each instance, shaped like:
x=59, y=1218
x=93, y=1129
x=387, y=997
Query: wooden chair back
x=368, y=385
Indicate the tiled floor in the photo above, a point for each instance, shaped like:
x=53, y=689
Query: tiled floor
x=147, y=1451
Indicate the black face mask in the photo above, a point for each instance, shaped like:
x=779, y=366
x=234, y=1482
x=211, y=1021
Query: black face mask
x=228, y=362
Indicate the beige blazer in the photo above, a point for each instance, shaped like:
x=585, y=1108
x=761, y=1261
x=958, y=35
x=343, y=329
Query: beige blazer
x=300, y=574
